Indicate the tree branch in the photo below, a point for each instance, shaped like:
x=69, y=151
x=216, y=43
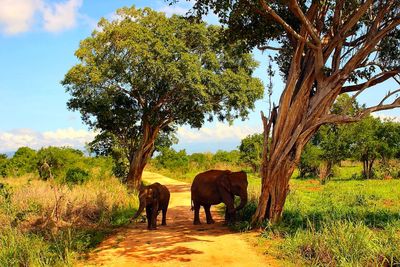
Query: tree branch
x=341, y=34
x=286, y=26
x=267, y=47
x=381, y=77
x=387, y=96
x=294, y=7
x=332, y=118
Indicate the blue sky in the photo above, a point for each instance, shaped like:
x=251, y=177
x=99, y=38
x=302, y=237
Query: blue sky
x=38, y=39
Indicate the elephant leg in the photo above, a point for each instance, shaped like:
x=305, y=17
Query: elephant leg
x=208, y=214
x=227, y=217
x=148, y=216
x=230, y=209
x=164, y=216
x=154, y=214
x=196, y=207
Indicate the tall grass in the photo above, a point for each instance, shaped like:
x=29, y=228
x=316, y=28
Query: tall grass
x=342, y=223
x=47, y=224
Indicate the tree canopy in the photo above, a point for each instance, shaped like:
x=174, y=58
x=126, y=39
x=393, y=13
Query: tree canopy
x=251, y=150
x=144, y=73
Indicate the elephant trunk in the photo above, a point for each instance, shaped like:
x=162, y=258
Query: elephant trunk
x=243, y=200
x=140, y=210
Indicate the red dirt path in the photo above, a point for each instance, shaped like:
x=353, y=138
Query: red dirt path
x=180, y=243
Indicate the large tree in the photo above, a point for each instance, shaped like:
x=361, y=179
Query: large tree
x=324, y=49
x=144, y=73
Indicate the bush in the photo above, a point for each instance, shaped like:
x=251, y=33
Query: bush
x=310, y=161
x=76, y=176
x=53, y=162
x=48, y=224
x=19, y=249
x=231, y=157
x=343, y=243
x=173, y=160
x=23, y=162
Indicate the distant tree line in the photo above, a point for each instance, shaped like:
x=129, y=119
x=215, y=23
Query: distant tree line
x=62, y=164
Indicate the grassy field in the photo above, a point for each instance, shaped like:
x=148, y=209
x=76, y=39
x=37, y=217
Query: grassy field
x=48, y=224
x=344, y=222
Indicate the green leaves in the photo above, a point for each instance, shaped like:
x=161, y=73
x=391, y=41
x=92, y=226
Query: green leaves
x=146, y=69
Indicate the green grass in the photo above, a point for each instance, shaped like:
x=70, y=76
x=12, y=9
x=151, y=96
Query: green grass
x=342, y=223
x=33, y=234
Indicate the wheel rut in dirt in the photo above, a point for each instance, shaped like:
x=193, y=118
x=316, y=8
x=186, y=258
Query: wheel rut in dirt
x=179, y=243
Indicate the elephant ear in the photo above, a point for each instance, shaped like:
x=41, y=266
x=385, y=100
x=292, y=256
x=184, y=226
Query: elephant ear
x=156, y=193
x=224, y=184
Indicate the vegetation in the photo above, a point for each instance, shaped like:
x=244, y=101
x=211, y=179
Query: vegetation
x=53, y=219
x=341, y=223
x=181, y=166
x=347, y=221
x=139, y=78
x=323, y=49
x=251, y=151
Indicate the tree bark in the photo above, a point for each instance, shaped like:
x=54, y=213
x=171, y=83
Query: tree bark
x=325, y=171
x=310, y=92
x=273, y=193
x=141, y=157
x=368, y=168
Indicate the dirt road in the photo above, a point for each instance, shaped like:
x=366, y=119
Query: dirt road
x=180, y=243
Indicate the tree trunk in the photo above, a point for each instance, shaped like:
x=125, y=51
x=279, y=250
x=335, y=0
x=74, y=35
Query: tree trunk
x=136, y=168
x=325, y=171
x=141, y=157
x=274, y=191
x=367, y=168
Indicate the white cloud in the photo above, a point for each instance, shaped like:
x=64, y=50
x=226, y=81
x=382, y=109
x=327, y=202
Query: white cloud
x=386, y=117
x=219, y=132
x=171, y=10
x=18, y=16
x=61, y=16
x=179, y=8
x=12, y=140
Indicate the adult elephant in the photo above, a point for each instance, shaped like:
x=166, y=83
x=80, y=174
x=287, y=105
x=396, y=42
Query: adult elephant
x=215, y=186
x=154, y=198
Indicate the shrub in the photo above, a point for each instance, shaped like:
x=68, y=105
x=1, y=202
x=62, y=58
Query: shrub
x=76, y=176
x=43, y=223
x=310, y=161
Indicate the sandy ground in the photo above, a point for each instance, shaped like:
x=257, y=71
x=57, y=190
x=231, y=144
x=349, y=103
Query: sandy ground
x=180, y=243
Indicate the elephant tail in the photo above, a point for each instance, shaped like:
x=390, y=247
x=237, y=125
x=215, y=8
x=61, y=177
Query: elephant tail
x=191, y=204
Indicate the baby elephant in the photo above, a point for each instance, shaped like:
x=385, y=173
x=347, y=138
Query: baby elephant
x=154, y=197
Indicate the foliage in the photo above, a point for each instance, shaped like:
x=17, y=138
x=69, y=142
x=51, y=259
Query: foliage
x=251, y=148
x=323, y=49
x=201, y=161
x=3, y=165
x=76, y=176
x=222, y=156
x=181, y=166
x=22, y=162
x=172, y=160
x=138, y=78
x=47, y=224
x=310, y=161
x=53, y=162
